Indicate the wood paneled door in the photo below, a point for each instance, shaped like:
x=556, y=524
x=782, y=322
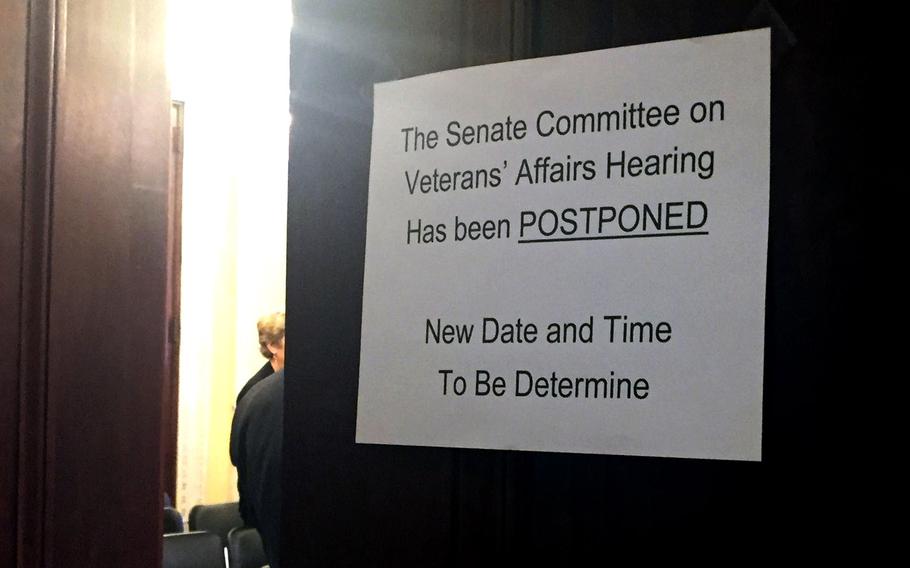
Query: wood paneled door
x=84, y=108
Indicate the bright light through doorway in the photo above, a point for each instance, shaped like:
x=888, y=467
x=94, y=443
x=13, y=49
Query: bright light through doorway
x=228, y=63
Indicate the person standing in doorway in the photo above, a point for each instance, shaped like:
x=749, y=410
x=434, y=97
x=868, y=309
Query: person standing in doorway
x=256, y=437
x=256, y=441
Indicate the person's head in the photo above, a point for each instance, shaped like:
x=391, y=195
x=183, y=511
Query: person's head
x=271, y=338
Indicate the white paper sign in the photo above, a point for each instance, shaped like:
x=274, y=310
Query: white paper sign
x=568, y=254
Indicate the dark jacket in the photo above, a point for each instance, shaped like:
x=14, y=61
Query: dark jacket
x=256, y=452
x=265, y=371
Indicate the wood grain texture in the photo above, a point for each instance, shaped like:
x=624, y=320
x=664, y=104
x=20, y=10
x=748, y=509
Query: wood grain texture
x=106, y=320
x=13, y=44
x=84, y=174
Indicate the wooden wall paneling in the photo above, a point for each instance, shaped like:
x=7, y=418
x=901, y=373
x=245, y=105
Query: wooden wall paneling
x=33, y=321
x=84, y=177
x=106, y=298
x=13, y=43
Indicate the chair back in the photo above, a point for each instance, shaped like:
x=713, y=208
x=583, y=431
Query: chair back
x=192, y=550
x=245, y=548
x=218, y=519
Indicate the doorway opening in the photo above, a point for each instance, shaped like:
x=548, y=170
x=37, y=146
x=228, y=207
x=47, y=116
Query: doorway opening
x=228, y=70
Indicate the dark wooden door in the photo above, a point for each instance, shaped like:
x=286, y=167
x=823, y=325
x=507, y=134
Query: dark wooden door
x=84, y=168
x=348, y=504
